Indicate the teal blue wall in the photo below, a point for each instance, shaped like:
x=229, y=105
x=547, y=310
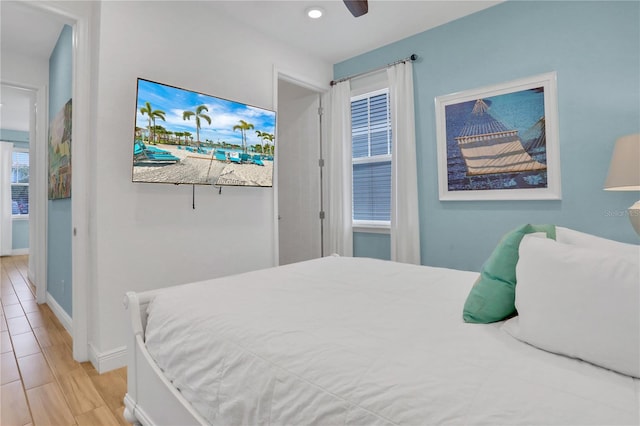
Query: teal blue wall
x=594, y=47
x=368, y=244
x=18, y=137
x=20, y=227
x=59, y=213
x=20, y=234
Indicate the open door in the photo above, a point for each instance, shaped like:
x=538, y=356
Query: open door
x=299, y=173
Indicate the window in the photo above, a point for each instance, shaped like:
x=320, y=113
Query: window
x=371, y=158
x=20, y=183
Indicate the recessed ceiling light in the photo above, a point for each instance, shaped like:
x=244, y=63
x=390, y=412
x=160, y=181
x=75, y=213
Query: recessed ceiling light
x=315, y=12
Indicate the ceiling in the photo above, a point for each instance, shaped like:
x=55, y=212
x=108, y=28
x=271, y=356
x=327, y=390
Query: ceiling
x=335, y=37
x=14, y=109
x=338, y=36
x=17, y=34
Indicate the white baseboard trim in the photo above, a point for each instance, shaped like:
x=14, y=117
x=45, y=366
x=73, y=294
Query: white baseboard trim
x=109, y=360
x=19, y=252
x=60, y=313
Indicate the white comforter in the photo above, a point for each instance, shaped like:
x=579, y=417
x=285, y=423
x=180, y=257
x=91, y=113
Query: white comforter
x=353, y=341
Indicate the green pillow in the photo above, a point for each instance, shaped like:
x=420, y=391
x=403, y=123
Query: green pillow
x=492, y=297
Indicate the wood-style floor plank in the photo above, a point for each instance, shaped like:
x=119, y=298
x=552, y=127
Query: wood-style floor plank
x=5, y=342
x=13, y=311
x=10, y=299
x=100, y=416
x=18, y=325
x=25, y=344
x=48, y=406
x=36, y=319
x=54, y=389
x=111, y=386
x=118, y=413
x=30, y=306
x=60, y=359
x=14, y=409
x=34, y=371
x=80, y=392
x=8, y=369
x=48, y=336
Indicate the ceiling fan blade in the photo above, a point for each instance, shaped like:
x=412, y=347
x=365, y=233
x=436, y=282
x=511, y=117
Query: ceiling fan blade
x=357, y=7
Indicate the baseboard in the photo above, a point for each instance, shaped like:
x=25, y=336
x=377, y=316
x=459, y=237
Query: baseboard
x=19, y=252
x=134, y=413
x=102, y=361
x=109, y=360
x=60, y=313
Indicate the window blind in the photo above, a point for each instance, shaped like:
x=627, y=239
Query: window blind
x=371, y=157
x=20, y=183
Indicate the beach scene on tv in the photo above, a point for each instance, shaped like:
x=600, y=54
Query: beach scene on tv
x=185, y=137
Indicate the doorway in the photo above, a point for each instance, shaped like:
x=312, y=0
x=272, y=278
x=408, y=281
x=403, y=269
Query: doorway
x=299, y=175
x=17, y=116
x=79, y=16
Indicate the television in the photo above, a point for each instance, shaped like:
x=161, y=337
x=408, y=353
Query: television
x=187, y=137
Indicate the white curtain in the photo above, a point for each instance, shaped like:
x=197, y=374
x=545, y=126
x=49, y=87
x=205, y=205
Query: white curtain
x=405, y=223
x=339, y=220
x=6, y=224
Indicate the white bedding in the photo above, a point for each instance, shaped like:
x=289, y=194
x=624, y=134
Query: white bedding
x=354, y=341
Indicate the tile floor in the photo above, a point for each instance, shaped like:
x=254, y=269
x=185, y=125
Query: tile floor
x=41, y=384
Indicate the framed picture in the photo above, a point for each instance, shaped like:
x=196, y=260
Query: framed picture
x=500, y=142
x=60, y=154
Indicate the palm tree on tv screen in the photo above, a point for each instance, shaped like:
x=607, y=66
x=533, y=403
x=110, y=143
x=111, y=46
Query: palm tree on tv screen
x=178, y=136
x=197, y=114
x=152, y=114
x=243, y=126
x=265, y=137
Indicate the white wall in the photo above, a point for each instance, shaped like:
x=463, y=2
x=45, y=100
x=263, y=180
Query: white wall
x=22, y=69
x=147, y=235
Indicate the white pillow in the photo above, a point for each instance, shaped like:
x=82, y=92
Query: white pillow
x=579, y=302
x=573, y=237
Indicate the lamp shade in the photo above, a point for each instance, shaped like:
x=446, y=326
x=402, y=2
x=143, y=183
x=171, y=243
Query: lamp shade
x=624, y=171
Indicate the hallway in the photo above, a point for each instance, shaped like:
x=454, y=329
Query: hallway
x=41, y=383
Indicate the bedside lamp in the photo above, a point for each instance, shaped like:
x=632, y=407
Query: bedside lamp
x=624, y=172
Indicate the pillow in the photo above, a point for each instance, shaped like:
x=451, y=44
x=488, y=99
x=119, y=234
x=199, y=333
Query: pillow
x=570, y=236
x=492, y=297
x=579, y=302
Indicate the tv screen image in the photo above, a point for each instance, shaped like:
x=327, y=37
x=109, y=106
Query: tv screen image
x=186, y=137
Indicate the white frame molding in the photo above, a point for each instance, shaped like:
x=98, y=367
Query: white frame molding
x=378, y=87
x=80, y=20
x=548, y=82
x=38, y=118
x=290, y=77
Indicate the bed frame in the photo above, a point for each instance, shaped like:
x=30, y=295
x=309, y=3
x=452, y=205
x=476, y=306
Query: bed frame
x=151, y=399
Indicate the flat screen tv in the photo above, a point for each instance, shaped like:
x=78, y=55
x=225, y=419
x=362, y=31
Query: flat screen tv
x=186, y=137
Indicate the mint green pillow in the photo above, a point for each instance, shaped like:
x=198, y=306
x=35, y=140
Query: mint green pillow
x=492, y=297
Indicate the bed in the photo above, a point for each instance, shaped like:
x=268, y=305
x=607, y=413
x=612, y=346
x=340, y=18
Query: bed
x=351, y=341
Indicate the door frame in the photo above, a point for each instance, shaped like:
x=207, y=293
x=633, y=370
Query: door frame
x=293, y=78
x=37, y=135
x=38, y=113
x=80, y=21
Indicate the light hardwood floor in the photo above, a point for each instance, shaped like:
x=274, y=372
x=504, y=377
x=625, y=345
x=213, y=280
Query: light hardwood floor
x=41, y=383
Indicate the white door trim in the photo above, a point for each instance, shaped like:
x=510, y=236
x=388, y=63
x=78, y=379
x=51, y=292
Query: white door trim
x=80, y=19
x=291, y=77
x=38, y=119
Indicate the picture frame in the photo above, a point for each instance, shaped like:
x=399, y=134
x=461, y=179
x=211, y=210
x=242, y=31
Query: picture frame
x=500, y=142
x=59, y=154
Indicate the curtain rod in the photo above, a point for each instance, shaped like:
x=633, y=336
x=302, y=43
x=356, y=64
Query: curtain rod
x=411, y=58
